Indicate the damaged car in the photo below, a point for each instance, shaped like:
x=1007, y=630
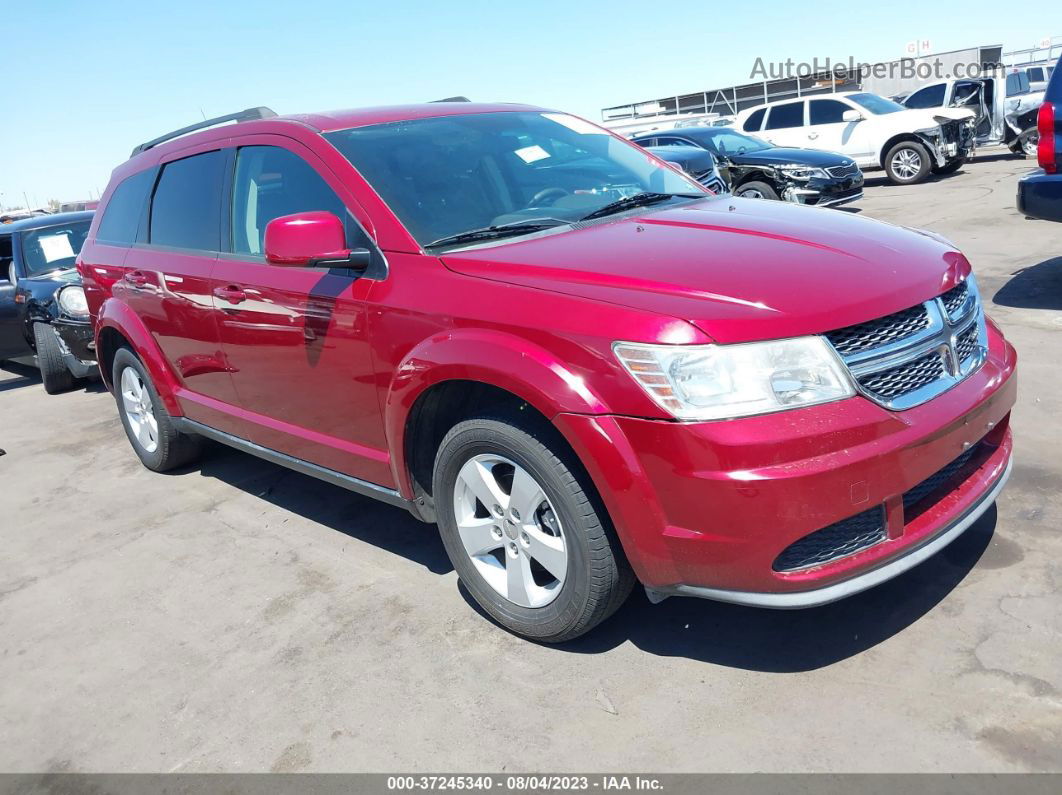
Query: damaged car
x=1004, y=110
x=44, y=317
x=695, y=162
x=756, y=169
x=875, y=132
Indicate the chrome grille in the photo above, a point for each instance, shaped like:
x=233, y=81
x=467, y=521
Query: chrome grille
x=906, y=377
x=865, y=336
x=906, y=358
x=843, y=171
x=838, y=540
x=955, y=301
x=966, y=345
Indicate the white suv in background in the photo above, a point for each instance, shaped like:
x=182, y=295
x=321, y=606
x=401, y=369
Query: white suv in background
x=874, y=131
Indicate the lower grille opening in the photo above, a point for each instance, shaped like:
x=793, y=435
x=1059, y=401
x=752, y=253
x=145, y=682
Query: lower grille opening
x=916, y=501
x=838, y=540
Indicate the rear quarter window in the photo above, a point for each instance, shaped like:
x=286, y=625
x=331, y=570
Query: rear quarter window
x=124, y=211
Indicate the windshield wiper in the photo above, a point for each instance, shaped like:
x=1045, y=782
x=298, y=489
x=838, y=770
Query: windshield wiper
x=497, y=231
x=637, y=200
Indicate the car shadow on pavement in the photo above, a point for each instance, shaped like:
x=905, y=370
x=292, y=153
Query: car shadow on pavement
x=365, y=519
x=1035, y=287
x=790, y=641
x=26, y=375
x=785, y=641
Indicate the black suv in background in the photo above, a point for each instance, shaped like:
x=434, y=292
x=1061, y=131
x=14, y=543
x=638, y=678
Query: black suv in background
x=1040, y=192
x=759, y=170
x=43, y=314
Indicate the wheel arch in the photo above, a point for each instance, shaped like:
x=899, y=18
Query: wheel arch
x=118, y=326
x=899, y=138
x=445, y=380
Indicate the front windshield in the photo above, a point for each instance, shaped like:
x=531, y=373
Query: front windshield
x=731, y=142
x=53, y=246
x=451, y=174
x=875, y=104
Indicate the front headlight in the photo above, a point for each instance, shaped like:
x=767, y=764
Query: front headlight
x=72, y=301
x=803, y=172
x=712, y=382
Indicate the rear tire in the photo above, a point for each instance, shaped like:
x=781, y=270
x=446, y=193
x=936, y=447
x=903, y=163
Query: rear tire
x=509, y=554
x=149, y=427
x=755, y=189
x=907, y=163
x=1028, y=142
x=55, y=375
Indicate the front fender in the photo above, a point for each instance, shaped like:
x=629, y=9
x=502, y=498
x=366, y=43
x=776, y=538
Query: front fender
x=116, y=315
x=502, y=360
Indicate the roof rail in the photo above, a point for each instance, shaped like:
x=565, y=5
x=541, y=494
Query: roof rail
x=453, y=99
x=243, y=115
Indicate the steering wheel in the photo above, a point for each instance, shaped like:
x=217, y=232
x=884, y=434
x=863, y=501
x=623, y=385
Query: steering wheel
x=545, y=195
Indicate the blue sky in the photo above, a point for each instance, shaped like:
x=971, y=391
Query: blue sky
x=88, y=81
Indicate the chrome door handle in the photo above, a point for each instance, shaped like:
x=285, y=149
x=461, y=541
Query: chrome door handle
x=231, y=293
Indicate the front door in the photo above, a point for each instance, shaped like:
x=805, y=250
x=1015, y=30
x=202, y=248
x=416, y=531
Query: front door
x=296, y=338
x=829, y=131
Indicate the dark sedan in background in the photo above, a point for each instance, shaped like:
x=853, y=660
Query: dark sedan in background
x=43, y=314
x=757, y=169
x=1040, y=192
x=696, y=162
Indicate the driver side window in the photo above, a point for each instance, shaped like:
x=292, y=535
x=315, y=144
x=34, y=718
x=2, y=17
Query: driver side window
x=272, y=182
x=7, y=264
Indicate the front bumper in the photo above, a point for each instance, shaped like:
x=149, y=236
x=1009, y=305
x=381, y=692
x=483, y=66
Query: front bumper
x=707, y=508
x=78, y=344
x=826, y=192
x=1040, y=195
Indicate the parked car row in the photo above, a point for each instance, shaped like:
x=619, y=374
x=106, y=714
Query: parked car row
x=584, y=367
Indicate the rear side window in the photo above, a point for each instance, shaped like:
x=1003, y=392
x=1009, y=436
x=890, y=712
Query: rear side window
x=186, y=209
x=121, y=217
x=826, y=111
x=929, y=97
x=271, y=182
x=785, y=116
x=1017, y=83
x=753, y=122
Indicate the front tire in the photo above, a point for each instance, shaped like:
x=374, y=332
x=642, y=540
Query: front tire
x=755, y=189
x=950, y=167
x=907, y=163
x=149, y=427
x=528, y=541
x=55, y=375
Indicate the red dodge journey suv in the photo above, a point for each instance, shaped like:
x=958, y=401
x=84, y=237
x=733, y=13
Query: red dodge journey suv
x=586, y=369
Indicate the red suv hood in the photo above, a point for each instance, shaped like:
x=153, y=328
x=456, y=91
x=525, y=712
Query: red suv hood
x=738, y=269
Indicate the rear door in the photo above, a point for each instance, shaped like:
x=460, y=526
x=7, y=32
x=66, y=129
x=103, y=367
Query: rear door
x=785, y=125
x=297, y=338
x=12, y=340
x=167, y=279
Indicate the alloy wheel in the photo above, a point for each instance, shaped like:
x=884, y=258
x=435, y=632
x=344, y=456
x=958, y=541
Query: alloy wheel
x=906, y=163
x=1030, y=144
x=751, y=193
x=510, y=531
x=139, y=410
